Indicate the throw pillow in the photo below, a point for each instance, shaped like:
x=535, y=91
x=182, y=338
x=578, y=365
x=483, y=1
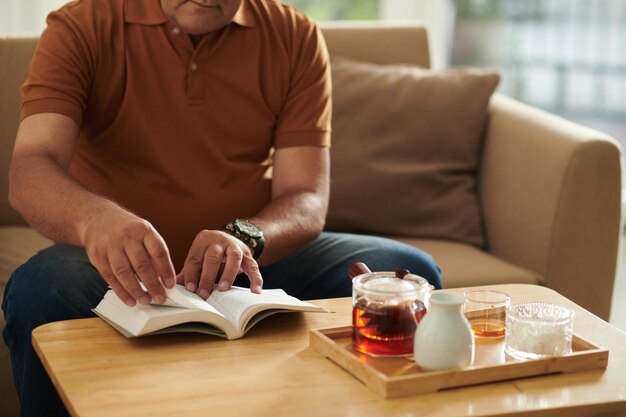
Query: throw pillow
x=406, y=146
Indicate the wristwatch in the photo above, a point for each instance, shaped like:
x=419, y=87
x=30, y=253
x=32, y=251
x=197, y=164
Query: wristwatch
x=249, y=233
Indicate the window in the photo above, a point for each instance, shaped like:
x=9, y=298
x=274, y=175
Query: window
x=321, y=10
x=30, y=15
x=563, y=56
x=26, y=15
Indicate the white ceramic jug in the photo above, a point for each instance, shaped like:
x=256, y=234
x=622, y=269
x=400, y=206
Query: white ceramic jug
x=444, y=337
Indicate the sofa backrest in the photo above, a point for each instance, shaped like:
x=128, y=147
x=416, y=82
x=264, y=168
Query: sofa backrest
x=369, y=42
x=15, y=56
x=378, y=43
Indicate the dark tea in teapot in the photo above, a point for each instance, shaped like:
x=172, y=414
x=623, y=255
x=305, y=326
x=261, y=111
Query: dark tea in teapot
x=386, y=312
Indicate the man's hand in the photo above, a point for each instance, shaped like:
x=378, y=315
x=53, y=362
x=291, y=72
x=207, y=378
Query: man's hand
x=126, y=250
x=216, y=255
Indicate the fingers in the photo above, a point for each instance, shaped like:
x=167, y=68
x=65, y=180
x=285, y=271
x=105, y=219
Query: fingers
x=125, y=275
x=127, y=250
x=211, y=265
x=102, y=265
x=136, y=261
x=142, y=265
x=124, y=269
x=234, y=258
x=251, y=269
x=160, y=257
x=218, y=257
x=193, y=266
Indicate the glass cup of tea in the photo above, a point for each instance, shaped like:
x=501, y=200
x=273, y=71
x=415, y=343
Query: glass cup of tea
x=486, y=312
x=386, y=311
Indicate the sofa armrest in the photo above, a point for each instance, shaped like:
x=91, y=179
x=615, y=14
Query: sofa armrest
x=551, y=196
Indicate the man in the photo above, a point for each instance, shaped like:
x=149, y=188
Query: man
x=149, y=125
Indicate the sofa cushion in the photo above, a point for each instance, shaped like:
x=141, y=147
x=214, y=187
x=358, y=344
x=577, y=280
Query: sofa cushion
x=464, y=265
x=406, y=145
x=16, y=52
x=17, y=245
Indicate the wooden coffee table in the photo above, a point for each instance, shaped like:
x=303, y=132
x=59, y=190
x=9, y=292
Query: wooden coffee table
x=273, y=372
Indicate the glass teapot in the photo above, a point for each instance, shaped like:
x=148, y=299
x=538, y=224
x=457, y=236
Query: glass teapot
x=386, y=310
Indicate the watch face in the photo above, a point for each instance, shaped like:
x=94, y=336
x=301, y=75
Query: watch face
x=248, y=228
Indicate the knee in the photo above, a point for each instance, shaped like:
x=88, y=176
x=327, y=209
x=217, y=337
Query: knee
x=421, y=263
x=382, y=254
x=414, y=260
x=51, y=286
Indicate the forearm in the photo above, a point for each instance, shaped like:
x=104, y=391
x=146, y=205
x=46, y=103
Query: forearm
x=290, y=221
x=51, y=201
x=297, y=211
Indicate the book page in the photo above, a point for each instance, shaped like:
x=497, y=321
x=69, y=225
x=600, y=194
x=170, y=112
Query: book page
x=145, y=319
x=180, y=297
x=234, y=302
x=230, y=313
x=239, y=305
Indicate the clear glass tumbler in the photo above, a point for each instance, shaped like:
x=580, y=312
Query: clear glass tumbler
x=537, y=330
x=486, y=312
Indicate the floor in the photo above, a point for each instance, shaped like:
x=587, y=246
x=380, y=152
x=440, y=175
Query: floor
x=618, y=308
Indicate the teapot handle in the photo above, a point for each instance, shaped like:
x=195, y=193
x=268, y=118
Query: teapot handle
x=357, y=269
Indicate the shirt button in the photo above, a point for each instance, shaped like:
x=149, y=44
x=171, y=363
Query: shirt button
x=176, y=30
x=194, y=66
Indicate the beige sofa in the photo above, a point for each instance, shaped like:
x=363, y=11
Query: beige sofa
x=549, y=189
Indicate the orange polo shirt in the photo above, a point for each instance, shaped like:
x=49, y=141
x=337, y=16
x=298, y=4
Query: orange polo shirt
x=182, y=136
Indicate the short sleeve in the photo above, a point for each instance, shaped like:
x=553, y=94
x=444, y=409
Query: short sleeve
x=59, y=75
x=306, y=115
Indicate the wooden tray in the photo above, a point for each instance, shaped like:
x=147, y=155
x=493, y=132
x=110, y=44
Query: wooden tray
x=402, y=377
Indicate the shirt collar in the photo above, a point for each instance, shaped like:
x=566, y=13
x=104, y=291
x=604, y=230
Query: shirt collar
x=244, y=16
x=149, y=12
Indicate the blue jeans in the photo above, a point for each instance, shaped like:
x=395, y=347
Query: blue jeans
x=59, y=283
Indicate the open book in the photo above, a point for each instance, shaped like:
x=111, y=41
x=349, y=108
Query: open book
x=228, y=314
